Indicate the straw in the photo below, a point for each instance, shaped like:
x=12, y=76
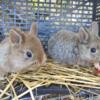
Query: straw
x=77, y=78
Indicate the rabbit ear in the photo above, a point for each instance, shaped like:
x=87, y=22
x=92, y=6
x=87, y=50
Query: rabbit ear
x=83, y=35
x=95, y=28
x=16, y=36
x=33, y=29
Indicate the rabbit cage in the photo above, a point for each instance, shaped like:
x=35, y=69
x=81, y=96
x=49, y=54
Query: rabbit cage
x=51, y=16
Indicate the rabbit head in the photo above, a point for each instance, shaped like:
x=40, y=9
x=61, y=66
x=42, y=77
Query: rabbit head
x=89, y=45
x=25, y=48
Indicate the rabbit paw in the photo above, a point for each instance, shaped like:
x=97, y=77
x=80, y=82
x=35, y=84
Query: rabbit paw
x=97, y=66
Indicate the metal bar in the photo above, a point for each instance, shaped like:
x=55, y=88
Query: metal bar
x=94, y=10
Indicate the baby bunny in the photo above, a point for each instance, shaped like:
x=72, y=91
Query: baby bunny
x=20, y=50
x=82, y=48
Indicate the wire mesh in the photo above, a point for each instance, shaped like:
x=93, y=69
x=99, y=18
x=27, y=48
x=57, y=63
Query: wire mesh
x=97, y=12
x=51, y=15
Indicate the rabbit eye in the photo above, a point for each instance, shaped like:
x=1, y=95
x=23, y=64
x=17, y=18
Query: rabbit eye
x=29, y=54
x=93, y=50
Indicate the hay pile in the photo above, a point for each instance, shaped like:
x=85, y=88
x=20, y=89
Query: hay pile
x=74, y=78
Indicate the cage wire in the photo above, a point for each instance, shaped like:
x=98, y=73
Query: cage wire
x=51, y=16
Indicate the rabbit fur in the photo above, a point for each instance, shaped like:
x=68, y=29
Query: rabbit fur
x=20, y=50
x=81, y=48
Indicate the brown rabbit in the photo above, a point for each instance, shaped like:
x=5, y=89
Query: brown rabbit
x=20, y=50
x=82, y=48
